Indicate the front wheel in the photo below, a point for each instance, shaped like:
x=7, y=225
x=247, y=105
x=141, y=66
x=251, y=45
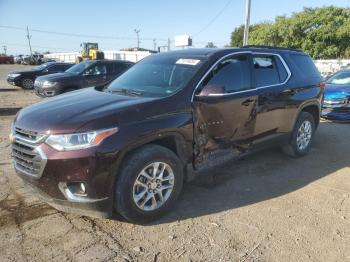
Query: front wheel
x=27, y=83
x=149, y=184
x=302, y=136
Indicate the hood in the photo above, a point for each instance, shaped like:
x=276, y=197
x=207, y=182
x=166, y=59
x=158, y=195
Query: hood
x=58, y=76
x=74, y=111
x=336, y=91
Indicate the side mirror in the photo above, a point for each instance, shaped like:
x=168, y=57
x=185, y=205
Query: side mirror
x=46, y=70
x=212, y=90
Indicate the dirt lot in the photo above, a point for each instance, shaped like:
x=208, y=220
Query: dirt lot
x=267, y=207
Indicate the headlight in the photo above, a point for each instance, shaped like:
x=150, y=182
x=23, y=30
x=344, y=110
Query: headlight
x=14, y=75
x=78, y=141
x=48, y=84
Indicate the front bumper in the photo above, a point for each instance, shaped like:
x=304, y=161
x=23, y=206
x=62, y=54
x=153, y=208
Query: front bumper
x=335, y=114
x=13, y=81
x=52, y=175
x=101, y=208
x=337, y=109
x=45, y=92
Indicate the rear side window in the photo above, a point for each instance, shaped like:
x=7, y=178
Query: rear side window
x=65, y=67
x=117, y=68
x=268, y=70
x=305, y=65
x=232, y=73
x=53, y=68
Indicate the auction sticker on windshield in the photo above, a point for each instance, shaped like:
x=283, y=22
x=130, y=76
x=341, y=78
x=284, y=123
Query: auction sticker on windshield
x=185, y=61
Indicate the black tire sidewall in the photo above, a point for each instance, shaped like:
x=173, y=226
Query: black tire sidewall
x=302, y=117
x=124, y=202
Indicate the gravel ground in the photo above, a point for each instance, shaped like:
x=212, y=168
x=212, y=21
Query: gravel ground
x=267, y=207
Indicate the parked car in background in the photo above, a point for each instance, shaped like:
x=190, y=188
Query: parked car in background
x=26, y=78
x=130, y=146
x=85, y=74
x=6, y=59
x=336, y=101
x=18, y=59
x=36, y=59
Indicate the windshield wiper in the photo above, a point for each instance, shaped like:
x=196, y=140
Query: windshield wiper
x=126, y=91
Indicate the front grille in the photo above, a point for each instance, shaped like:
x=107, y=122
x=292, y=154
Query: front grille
x=26, y=133
x=26, y=153
x=335, y=102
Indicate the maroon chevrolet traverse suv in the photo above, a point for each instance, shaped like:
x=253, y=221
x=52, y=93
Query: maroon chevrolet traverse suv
x=129, y=147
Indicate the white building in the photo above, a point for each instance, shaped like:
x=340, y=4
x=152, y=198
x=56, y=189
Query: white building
x=133, y=56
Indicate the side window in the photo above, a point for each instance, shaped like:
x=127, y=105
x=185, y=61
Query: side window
x=283, y=74
x=53, y=68
x=98, y=69
x=232, y=73
x=65, y=67
x=60, y=68
x=306, y=65
x=268, y=70
x=119, y=68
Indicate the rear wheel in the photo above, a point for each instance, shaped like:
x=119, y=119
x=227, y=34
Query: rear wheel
x=302, y=136
x=149, y=184
x=28, y=83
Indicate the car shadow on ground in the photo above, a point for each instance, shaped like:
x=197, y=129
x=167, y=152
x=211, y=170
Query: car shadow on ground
x=262, y=176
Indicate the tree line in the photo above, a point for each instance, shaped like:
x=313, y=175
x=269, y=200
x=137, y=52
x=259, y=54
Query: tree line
x=323, y=33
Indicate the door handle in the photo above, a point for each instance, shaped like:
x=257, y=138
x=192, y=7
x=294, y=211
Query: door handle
x=289, y=92
x=247, y=102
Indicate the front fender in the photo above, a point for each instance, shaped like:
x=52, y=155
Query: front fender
x=133, y=135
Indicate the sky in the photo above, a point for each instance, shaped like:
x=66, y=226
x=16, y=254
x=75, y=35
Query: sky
x=112, y=23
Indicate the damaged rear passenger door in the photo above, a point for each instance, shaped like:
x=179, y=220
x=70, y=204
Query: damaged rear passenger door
x=224, y=111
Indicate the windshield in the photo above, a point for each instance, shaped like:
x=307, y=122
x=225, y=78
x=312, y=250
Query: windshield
x=342, y=78
x=79, y=68
x=156, y=76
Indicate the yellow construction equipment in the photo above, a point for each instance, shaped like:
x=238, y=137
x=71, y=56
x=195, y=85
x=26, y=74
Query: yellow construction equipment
x=90, y=52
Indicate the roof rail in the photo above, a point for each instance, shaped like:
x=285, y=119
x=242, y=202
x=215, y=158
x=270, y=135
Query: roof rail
x=271, y=47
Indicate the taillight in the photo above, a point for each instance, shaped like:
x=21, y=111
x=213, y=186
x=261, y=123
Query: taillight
x=322, y=85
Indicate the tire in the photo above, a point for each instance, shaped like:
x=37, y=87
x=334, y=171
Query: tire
x=302, y=136
x=27, y=83
x=129, y=195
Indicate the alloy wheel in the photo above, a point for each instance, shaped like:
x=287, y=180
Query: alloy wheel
x=28, y=83
x=153, y=186
x=304, y=135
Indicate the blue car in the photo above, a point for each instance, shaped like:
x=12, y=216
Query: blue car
x=336, y=100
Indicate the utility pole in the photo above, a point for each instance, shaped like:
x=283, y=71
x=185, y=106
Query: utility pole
x=168, y=44
x=155, y=44
x=5, y=49
x=30, y=46
x=138, y=37
x=246, y=25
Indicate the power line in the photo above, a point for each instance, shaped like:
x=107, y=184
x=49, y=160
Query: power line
x=80, y=35
x=214, y=18
x=93, y=36
x=35, y=46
